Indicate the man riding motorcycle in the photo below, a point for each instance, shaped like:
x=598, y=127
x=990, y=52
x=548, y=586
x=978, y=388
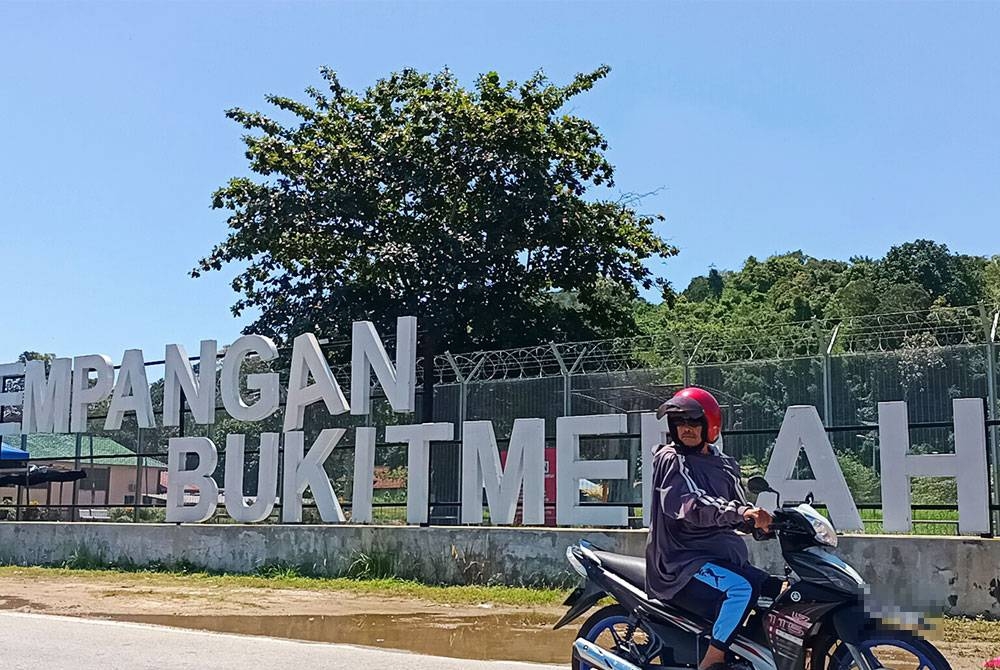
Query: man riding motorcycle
x=693, y=554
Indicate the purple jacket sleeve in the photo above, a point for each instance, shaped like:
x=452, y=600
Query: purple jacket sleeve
x=680, y=498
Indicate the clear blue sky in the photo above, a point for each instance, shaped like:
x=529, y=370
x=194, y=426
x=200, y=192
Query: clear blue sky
x=838, y=128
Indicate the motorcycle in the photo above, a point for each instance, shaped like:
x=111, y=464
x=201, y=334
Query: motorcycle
x=819, y=619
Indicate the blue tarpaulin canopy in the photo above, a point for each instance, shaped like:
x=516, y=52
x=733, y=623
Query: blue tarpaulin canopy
x=8, y=453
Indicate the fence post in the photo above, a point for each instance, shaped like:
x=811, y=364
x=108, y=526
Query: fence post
x=463, y=413
x=828, y=377
x=137, y=494
x=74, y=514
x=990, y=327
x=462, y=390
x=685, y=369
x=27, y=468
x=567, y=384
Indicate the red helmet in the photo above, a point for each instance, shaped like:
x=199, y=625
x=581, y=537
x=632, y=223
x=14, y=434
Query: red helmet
x=694, y=404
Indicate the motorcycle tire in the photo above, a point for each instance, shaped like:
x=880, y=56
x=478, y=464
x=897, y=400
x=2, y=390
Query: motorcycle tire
x=597, y=622
x=836, y=656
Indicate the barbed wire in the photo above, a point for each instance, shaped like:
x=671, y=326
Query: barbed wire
x=713, y=344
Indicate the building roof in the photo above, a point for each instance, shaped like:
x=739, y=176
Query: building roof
x=63, y=448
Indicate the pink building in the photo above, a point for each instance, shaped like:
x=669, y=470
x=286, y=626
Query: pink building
x=113, y=475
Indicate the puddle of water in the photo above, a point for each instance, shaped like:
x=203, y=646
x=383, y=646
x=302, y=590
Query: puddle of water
x=521, y=637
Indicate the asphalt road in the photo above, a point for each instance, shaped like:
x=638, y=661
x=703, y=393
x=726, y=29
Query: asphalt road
x=34, y=641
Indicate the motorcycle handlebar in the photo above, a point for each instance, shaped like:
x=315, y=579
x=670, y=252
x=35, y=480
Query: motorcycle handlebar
x=779, y=522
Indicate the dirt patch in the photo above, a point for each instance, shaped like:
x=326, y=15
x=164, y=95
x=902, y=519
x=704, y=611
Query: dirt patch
x=136, y=594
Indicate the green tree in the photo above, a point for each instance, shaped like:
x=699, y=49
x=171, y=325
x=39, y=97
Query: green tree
x=904, y=297
x=949, y=279
x=35, y=356
x=991, y=279
x=858, y=297
x=14, y=413
x=473, y=210
x=706, y=287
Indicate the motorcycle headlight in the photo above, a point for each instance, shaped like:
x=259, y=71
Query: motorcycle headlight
x=574, y=561
x=825, y=532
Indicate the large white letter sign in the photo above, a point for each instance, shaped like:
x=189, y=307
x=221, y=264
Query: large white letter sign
x=967, y=465
x=802, y=430
x=83, y=393
x=308, y=359
x=178, y=375
x=570, y=469
x=654, y=432
x=364, y=475
x=418, y=438
x=179, y=479
x=267, y=478
x=46, y=401
x=481, y=469
x=131, y=393
x=266, y=383
x=367, y=354
x=10, y=398
x=307, y=471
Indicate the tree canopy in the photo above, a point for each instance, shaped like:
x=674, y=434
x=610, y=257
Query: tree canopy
x=475, y=210
x=794, y=286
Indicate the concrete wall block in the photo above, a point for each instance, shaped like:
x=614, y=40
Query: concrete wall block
x=960, y=574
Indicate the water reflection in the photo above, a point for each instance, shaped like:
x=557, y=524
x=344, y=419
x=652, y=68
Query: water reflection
x=512, y=637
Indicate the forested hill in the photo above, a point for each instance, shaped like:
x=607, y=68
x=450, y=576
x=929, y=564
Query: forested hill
x=792, y=287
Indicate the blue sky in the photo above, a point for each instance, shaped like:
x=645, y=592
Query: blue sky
x=838, y=128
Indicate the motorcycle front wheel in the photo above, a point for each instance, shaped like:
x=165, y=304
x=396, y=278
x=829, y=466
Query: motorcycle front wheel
x=891, y=649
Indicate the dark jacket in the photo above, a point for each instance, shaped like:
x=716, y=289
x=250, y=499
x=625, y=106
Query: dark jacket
x=698, y=501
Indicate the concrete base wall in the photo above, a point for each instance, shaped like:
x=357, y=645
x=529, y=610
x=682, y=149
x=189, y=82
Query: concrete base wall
x=961, y=574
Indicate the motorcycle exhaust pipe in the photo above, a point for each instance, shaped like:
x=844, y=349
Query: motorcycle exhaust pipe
x=601, y=658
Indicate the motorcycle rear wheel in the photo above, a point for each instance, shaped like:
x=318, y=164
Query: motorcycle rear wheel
x=607, y=628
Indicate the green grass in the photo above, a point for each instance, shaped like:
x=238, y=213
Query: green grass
x=961, y=629
x=278, y=577
x=936, y=522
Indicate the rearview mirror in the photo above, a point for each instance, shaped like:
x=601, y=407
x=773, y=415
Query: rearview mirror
x=758, y=485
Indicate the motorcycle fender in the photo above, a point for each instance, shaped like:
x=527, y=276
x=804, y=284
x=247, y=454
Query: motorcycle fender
x=581, y=600
x=851, y=623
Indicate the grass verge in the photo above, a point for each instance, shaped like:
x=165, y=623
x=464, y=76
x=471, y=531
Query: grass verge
x=288, y=578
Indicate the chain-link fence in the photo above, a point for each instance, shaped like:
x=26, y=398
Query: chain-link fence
x=843, y=368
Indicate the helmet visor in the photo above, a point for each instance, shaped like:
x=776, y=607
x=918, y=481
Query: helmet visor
x=680, y=409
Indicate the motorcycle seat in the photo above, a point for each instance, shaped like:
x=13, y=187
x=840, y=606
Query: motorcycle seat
x=630, y=568
x=633, y=570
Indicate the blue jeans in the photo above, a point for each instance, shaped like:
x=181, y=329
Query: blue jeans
x=722, y=593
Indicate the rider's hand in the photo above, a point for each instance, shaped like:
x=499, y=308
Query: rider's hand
x=761, y=518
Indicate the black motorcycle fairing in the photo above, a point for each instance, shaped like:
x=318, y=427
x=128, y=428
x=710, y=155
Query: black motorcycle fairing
x=679, y=647
x=798, y=615
x=807, y=593
x=822, y=568
x=791, y=627
x=580, y=600
x=854, y=624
